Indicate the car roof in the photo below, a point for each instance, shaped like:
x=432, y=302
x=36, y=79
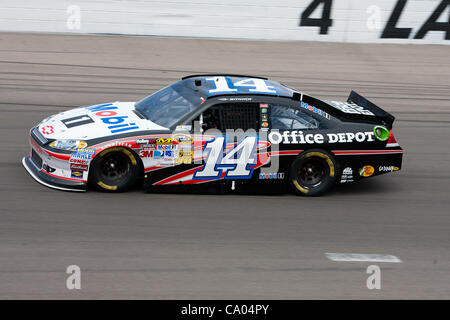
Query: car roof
x=205, y=85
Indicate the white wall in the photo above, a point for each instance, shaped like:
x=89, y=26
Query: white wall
x=243, y=19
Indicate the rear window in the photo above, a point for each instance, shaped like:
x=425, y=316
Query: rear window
x=291, y=118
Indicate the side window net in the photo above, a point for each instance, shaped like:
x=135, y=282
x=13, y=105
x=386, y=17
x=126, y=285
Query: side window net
x=239, y=116
x=232, y=116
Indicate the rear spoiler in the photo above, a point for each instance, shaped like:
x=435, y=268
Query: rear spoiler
x=363, y=111
x=363, y=102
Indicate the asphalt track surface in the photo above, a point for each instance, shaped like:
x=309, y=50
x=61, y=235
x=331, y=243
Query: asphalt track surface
x=157, y=246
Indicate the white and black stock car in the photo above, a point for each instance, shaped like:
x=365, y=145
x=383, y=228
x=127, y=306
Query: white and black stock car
x=218, y=133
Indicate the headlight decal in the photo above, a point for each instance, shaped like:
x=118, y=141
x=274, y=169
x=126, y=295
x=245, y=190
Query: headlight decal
x=70, y=145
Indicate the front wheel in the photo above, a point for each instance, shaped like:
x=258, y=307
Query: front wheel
x=114, y=170
x=313, y=172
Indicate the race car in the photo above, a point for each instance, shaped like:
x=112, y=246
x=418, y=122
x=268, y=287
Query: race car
x=215, y=132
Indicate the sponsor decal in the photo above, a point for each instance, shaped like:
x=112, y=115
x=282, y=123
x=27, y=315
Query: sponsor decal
x=169, y=154
x=84, y=150
x=347, y=175
x=128, y=144
x=158, y=154
x=388, y=168
x=184, y=157
x=47, y=130
x=298, y=137
x=146, y=153
x=116, y=123
x=82, y=145
x=166, y=147
x=142, y=141
x=78, y=161
x=264, y=107
x=350, y=137
x=164, y=141
x=77, y=174
x=320, y=112
x=366, y=171
x=82, y=167
x=83, y=154
x=185, y=153
x=183, y=127
x=149, y=146
x=271, y=176
x=347, y=107
x=182, y=138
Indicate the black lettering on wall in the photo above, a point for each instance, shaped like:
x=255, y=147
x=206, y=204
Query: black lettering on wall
x=432, y=25
x=391, y=31
x=324, y=23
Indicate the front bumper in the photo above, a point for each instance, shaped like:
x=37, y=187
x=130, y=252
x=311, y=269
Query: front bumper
x=51, y=181
x=51, y=169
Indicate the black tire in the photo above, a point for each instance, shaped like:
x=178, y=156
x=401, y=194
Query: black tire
x=114, y=170
x=313, y=172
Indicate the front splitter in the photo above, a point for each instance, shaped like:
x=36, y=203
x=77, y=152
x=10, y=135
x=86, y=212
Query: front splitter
x=50, y=181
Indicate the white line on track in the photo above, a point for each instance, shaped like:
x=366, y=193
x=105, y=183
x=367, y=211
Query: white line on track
x=354, y=257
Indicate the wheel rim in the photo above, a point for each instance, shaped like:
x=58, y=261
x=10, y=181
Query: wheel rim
x=312, y=171
x=114, y=167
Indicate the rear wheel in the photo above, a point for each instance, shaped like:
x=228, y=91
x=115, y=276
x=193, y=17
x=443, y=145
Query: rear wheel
x=114, y=170
x=313, y=172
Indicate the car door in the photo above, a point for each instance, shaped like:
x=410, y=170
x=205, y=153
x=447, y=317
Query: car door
x=229, y=142
x=224, y=149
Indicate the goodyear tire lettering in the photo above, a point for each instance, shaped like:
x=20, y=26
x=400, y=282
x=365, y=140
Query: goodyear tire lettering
x=105, y=186
x=120, y=149
x=327, y=180
x=300, y=187
x=324, y=156
x=115, y=183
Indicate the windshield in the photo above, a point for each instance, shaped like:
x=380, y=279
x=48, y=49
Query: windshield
x=167, y=106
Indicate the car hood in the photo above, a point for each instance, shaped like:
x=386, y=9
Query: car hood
x=96, y=121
